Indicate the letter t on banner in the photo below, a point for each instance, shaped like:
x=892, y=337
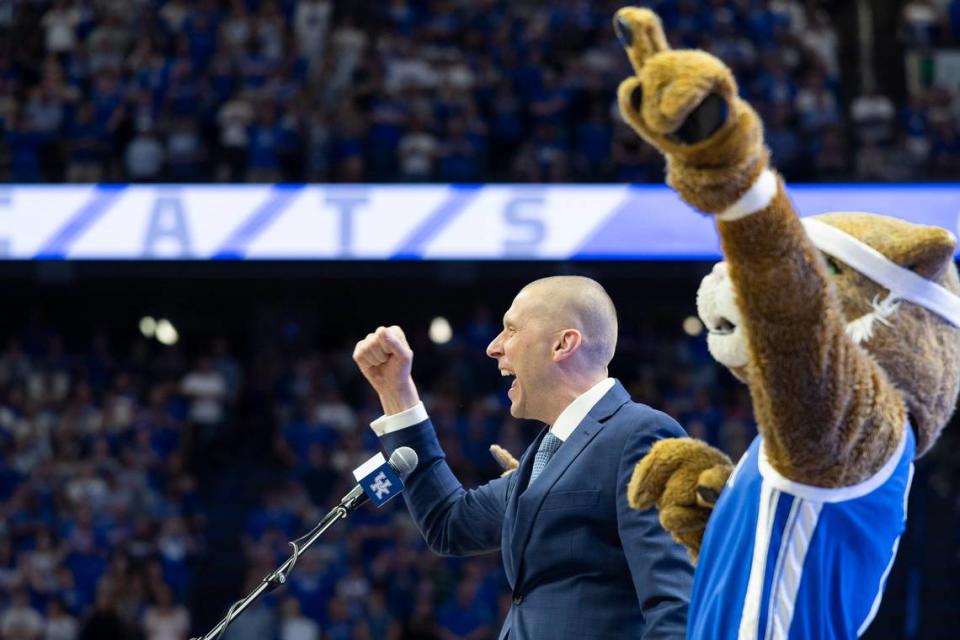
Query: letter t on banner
x=378, y=480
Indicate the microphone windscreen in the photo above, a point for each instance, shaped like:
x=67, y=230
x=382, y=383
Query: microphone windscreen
x=404, y=460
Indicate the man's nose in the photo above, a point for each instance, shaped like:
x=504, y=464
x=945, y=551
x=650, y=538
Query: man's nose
x=493, y=349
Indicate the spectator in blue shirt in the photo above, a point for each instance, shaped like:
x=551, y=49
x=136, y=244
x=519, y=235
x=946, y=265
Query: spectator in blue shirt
x=339, y=626
x=782, y=138
x=388, y=121
x=186, y=152
x=200, y=28
x=594, y=141
x=262, y=162
x=25, y=144
x=458, y=155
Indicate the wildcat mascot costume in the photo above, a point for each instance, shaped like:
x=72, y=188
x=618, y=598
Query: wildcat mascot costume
x=845, y=328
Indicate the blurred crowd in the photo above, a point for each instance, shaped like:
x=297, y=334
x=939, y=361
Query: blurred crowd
x=108, y=451
x=101, y=517
x=428, y=90
x=931, y=22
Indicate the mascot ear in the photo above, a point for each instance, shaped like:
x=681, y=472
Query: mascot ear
x=927, y=251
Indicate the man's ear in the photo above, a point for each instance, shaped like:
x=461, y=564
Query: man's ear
x=567, y=344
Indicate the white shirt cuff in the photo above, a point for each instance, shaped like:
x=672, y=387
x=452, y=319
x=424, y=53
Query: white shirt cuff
x=388, y=424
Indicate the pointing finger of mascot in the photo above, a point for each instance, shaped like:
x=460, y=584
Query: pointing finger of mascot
x=641, y=34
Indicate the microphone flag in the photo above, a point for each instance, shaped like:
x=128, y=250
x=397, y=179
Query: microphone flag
x=378, y=480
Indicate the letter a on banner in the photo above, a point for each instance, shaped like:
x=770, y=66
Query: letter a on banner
x=168, y=235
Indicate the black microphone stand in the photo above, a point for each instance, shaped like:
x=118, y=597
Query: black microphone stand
x=279, y=577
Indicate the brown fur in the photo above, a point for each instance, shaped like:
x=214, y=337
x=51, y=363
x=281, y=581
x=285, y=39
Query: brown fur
x=831, y=412
x=505, y=459
x=914, y=338
x=710, y=175
x=683, y=478
x=828, y=414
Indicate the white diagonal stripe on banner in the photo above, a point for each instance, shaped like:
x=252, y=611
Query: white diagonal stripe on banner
x=526, y=222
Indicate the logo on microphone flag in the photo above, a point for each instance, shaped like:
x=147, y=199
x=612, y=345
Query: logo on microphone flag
x=378, y=480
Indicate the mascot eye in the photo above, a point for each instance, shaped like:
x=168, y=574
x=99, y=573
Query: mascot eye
x=832, y=266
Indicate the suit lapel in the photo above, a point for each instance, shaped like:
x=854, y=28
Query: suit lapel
x=526, y=500
x=510, y=516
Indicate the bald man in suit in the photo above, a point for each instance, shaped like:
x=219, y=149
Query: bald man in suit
x=582, y=564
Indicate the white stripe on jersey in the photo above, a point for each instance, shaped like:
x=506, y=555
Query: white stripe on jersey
x=785, y=538
x=749, y=619
x=793, y=554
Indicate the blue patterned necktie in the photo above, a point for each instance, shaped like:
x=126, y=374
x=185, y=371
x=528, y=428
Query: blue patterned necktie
x=548, y=447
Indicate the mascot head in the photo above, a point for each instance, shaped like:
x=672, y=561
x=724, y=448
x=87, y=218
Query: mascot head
x=897, y=285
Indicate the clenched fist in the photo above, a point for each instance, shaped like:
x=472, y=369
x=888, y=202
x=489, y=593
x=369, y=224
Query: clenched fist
x=385, y=360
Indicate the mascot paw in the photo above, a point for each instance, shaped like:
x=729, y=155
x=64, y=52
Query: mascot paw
x=685, y=104
x=506, y=461
x=676, y=98
x=683, y=478
x=711, y=482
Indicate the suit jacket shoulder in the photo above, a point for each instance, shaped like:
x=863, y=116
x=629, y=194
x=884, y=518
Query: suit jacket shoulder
x=622, y=418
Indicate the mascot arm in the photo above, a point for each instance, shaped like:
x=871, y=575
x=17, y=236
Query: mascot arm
x=820, y=399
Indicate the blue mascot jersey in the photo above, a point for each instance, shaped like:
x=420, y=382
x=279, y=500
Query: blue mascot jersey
x=782, y=560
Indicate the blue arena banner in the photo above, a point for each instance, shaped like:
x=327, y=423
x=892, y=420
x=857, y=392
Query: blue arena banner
x=400, y=222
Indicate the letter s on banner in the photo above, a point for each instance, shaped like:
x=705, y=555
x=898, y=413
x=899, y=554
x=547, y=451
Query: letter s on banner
x=526, y=230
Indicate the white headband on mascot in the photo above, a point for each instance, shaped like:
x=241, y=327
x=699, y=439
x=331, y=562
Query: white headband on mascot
x=902, y=283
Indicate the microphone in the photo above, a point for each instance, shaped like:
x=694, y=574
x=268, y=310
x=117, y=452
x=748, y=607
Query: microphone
x=404, y=460
x=379, y=480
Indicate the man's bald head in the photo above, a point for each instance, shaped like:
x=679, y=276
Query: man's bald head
x=576, y=302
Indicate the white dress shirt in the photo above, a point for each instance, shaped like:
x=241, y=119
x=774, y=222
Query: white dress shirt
x=566, y=422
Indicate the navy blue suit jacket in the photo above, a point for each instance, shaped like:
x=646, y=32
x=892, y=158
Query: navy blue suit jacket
x=582, y=564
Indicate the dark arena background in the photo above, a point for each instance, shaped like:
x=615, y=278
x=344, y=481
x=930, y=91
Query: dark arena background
x=177, y=395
